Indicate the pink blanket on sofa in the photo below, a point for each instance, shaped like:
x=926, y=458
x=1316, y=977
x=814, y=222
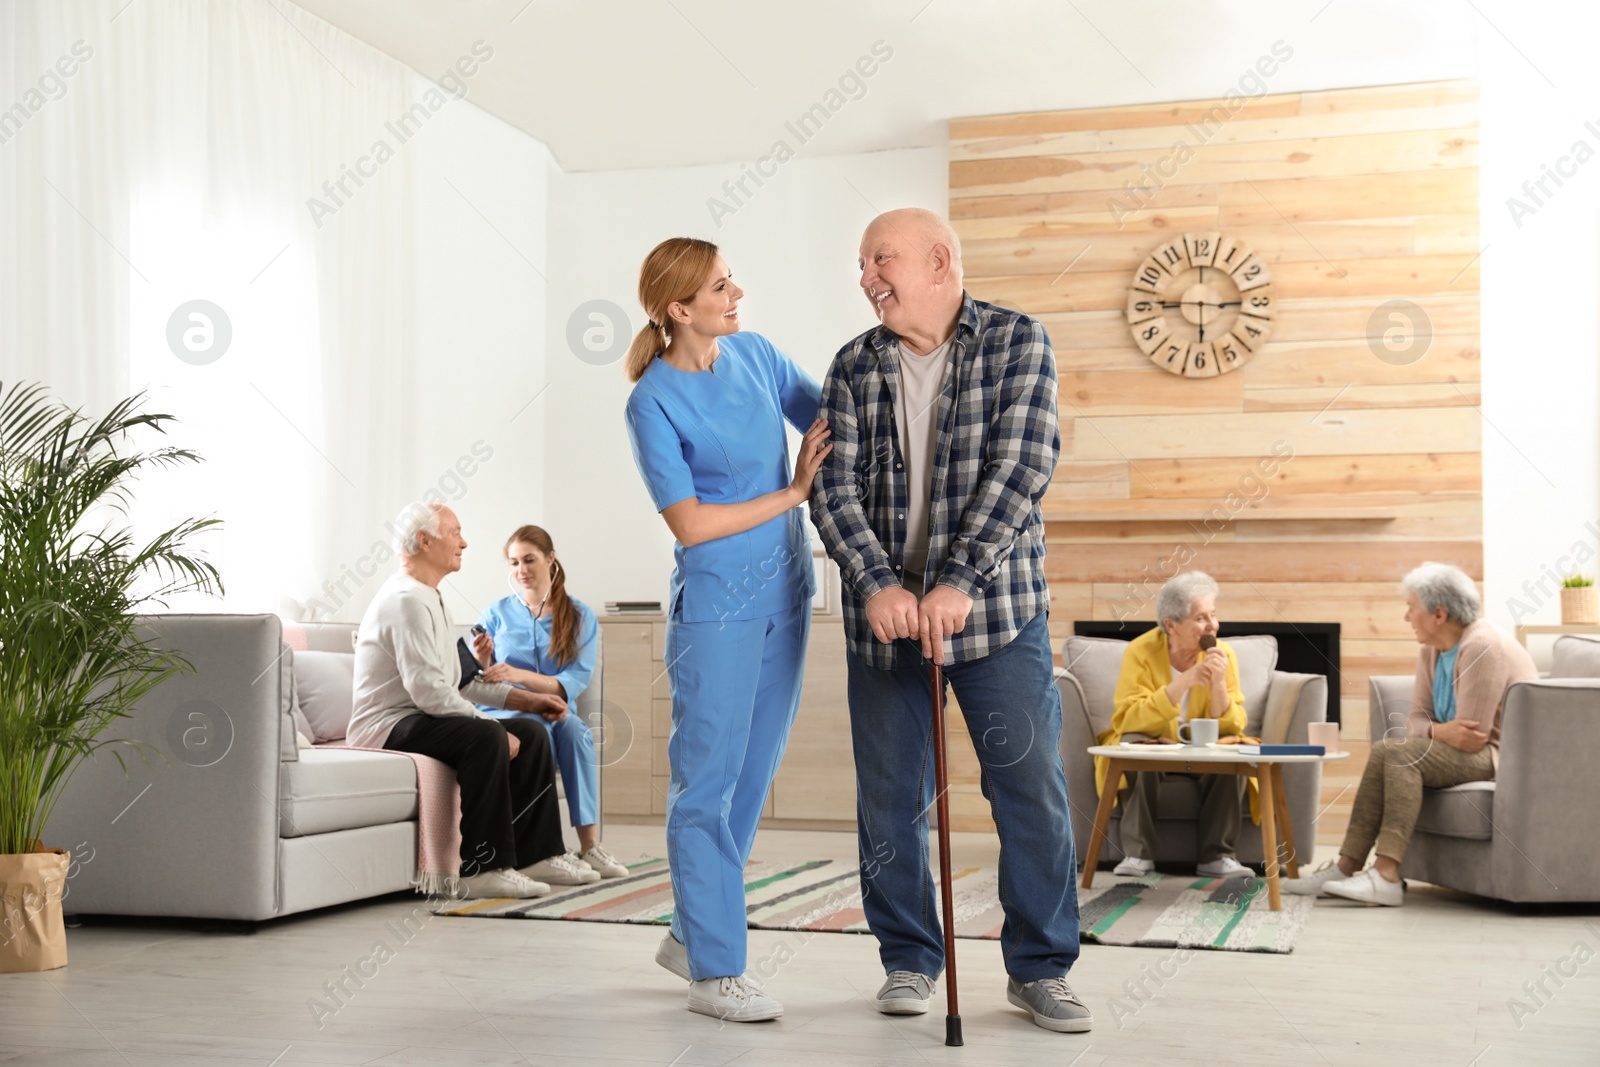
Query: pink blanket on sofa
x=438, y=822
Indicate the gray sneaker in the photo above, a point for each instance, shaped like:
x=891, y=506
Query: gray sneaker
x=1052, y=1003
x=905, y=993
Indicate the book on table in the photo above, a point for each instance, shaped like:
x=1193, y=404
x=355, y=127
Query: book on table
x=1282, y=750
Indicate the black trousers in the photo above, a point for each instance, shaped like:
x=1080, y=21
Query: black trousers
x=509, y=813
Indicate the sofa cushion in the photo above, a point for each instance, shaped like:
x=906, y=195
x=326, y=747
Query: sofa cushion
x=1459, y=811
x=1095, y=662
x=325, y=685
x=1258, y=657
x=304, y=735
x=1575, y=657
x=332, y=788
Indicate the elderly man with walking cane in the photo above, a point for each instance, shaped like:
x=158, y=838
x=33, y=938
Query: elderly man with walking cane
x=944, y=439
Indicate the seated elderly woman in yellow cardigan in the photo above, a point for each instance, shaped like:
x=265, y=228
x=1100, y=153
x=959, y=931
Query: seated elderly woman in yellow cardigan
x=1167, y=680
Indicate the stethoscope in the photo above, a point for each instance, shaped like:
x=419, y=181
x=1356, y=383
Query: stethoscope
x=512, y=582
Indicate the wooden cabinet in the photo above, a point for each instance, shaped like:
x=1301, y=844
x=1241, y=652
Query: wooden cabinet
x=628, y=668
x=816, y=784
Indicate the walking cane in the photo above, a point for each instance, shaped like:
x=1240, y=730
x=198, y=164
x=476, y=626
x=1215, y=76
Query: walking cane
x=952, y=1019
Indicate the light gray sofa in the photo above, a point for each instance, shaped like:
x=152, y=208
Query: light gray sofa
x=227, y=818
x=1527, y=836
x=1087, y=681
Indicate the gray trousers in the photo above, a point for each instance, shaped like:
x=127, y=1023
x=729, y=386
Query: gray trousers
x=1390, y=796
x=1220, y=797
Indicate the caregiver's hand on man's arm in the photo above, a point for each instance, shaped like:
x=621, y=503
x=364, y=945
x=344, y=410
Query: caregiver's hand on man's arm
x=546, y=705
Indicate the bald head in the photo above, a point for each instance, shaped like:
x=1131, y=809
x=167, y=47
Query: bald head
x=911, y=273
x=920, y=229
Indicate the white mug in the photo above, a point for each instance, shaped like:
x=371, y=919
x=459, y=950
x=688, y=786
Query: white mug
x=1201, y=732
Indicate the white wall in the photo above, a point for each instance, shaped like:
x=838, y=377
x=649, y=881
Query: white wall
x=483, y=333
x=480, y=225
x=1541, y=328
x=792, y=247
x=383, y=336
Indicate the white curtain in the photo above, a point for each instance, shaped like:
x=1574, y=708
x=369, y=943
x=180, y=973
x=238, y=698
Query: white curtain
x=161, y=152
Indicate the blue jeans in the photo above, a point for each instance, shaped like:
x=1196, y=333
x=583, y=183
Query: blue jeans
x=1014, y=716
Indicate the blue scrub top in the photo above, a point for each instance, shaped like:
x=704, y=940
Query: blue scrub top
x=523, y=641
x=718, y=436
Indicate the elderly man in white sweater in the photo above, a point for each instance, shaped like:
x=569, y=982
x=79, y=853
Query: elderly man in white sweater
x=408, y=697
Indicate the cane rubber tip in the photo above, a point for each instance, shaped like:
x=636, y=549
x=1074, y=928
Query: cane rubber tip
x=952, y=1030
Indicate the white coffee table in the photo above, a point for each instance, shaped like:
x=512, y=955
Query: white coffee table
x=1207, y=759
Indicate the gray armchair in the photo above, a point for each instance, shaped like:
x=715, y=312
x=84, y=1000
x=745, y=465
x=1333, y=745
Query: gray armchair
x=1087, y=683
x=1524, y=836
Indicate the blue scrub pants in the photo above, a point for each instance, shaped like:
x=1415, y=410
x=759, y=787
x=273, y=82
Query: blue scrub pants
x=735, y=691
x=573, y=746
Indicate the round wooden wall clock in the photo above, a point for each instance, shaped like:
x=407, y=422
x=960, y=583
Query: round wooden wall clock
x=1200, y=304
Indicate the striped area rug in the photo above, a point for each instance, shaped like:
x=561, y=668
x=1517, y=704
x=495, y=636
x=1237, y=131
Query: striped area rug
x=1156, y=911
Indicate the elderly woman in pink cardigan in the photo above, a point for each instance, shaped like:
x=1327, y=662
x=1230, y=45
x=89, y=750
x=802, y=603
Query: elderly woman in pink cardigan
x=1451, y=737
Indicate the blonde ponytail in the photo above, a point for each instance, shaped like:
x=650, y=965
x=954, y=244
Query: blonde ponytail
x=672, y=273
x=647, y=344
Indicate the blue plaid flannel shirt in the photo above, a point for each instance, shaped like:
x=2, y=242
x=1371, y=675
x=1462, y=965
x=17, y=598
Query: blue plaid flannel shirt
x=997, y=444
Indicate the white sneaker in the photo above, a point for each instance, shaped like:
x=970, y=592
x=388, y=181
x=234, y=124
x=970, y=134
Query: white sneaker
x=1133, y=867
x=673, y=956
x=733, y=999
x=1368, y=887
x=603, y=862
x=1226, y=867
x=505, y=882
x=1313, y=884
x=562, y=870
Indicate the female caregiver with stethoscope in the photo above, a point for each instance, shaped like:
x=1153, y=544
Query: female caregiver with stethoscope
x=706, y=422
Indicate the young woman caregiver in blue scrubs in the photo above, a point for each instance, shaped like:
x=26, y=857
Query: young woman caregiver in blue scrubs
x=706, y=419
x=542, y=639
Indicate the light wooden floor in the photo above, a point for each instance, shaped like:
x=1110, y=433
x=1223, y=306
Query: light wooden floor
x=1427, y=983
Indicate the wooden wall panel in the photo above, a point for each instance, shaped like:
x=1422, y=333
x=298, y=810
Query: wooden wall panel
x=1355, y=197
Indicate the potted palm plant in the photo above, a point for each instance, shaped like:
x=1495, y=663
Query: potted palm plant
x=73, y=581
x=1580, y=601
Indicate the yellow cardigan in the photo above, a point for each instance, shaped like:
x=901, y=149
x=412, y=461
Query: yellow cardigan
x=1142, y=706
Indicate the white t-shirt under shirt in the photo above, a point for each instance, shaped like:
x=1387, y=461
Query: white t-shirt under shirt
x=916, y=413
